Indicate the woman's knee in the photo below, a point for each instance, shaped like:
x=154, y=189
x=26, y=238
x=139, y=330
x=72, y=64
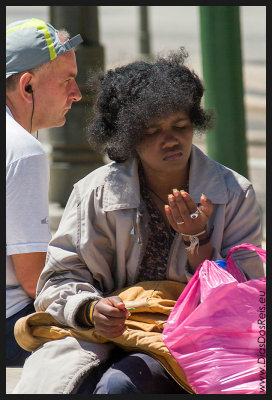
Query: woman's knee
x=115, y=382
x=136, y=373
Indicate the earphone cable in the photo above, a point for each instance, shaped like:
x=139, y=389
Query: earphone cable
x=32, y=112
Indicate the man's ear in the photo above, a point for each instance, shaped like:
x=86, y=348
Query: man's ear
x=25, y=87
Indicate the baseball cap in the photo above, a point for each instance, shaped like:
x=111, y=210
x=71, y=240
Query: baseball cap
x=33, y=42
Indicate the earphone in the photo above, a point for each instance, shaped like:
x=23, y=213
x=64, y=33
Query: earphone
x=28, y=89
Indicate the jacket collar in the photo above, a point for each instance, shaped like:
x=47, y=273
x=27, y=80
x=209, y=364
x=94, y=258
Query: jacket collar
x=122, y=190
x=206, y=176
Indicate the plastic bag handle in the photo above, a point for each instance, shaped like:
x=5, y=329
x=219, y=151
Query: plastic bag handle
x=232, y=267
x=247, y=246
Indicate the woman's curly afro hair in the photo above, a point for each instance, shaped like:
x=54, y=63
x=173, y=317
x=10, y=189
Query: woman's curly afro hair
x=128, y=97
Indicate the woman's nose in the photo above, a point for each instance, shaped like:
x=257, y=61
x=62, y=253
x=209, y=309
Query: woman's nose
x=169, y=139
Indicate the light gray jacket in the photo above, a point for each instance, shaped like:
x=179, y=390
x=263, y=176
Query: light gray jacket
x=103, y=233
x=100, y=244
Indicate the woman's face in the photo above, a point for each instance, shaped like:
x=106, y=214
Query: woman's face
x=167, y=143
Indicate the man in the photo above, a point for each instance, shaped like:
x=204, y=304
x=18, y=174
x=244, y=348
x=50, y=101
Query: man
x=40, y=89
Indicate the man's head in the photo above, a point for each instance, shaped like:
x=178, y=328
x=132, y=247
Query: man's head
x=40, y=65
x=31, y=43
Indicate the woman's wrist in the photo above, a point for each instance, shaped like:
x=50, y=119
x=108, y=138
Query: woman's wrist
x=205, y=236
x=90, y=311
x=81, y=315
x=85, y=313
x=194, y=241
x=205, y=253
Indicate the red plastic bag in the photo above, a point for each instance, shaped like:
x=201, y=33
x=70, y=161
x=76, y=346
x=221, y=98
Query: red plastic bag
x=216, y=331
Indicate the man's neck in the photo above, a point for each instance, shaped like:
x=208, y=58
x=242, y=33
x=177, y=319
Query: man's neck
x=19, y=114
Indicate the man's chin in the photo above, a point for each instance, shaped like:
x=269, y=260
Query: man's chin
x=61, y=123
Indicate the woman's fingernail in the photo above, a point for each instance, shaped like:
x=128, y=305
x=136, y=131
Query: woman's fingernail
x=176, y=192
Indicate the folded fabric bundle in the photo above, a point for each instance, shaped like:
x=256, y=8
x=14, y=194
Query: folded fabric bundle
x=152, y=302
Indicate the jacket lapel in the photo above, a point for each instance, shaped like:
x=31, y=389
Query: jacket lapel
x=206, y=176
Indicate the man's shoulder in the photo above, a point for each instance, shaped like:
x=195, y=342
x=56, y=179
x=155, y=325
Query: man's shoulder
x=20, y=143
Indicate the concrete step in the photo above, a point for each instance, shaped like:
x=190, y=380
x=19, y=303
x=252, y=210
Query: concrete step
x=13, y=374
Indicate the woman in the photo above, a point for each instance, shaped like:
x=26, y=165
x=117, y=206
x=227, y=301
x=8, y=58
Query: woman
x=154, y=213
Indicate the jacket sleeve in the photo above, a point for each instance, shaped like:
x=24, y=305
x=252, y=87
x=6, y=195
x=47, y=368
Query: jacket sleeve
x=67, y=282
x=243, y=225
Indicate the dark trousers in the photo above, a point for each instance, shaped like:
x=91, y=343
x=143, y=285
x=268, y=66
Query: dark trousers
x=15, y=355
x=127, y=373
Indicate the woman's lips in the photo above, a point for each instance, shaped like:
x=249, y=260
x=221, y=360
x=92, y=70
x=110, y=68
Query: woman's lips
x=172, y=156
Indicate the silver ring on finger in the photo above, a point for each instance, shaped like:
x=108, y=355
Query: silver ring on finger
x=195, y=214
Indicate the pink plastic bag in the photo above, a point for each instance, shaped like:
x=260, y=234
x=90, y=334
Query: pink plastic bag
x=220, y=342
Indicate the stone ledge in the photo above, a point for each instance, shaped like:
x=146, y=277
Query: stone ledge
x=13, y=375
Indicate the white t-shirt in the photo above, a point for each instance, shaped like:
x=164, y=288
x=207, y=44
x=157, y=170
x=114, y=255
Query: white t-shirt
x=27, y=209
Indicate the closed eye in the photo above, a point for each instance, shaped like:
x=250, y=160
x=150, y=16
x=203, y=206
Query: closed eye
x=151, y=132
x=181, y=128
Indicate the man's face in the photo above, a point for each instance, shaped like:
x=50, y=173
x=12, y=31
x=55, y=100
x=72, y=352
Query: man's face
x=54, y=91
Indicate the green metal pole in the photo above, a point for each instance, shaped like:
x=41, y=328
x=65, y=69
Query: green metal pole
x=223, y=78
x=144, y=37
x=71, y=155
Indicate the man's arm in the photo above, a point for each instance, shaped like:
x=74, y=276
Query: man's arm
x=28, y=267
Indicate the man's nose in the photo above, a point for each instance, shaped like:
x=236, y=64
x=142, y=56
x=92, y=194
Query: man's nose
x=76, y=94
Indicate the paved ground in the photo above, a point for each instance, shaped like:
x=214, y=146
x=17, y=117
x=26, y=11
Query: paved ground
x=12, y=377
